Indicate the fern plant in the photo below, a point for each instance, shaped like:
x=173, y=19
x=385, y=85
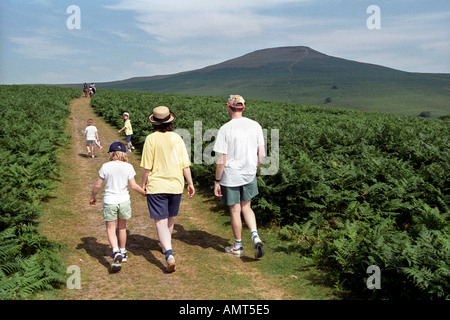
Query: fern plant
x=350, y=190
x=28, y=145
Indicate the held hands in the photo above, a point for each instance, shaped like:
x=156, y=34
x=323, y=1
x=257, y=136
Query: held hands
x=93, y=202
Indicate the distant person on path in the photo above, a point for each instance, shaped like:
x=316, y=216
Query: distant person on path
x=91, y=134
x=128, y=130
x=85, y=89
x=92, y=89
x=165, y=161
x=117, y=175
x=240, y=148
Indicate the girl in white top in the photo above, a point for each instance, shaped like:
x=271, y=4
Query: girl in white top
x=91, y=134
x=117, y=175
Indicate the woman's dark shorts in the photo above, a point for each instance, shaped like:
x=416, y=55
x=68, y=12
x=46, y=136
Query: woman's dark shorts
x=163, y=205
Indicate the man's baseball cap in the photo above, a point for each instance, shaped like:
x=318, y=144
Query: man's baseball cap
x=117, y=146
x=236, y=101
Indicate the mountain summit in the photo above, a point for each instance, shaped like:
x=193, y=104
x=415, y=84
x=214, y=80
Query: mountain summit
x=264, y=57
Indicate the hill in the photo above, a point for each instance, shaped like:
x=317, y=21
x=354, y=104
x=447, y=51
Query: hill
x=303, y=75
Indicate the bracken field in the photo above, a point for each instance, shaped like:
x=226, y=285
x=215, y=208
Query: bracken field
x=31, y=133
x=351, y=189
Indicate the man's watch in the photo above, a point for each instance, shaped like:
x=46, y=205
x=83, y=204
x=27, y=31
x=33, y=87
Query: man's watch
x=217, y=180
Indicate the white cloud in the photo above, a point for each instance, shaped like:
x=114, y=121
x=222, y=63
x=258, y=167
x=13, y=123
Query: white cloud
x=122, y=35
x=54, y=77
x=38, y=47
x=175, y=20
x=142, y=68
x=100, y=70
x=122, y=71
x=405, y=42
x=442, y=46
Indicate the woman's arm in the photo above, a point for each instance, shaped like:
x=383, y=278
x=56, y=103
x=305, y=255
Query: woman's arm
x=145, y=173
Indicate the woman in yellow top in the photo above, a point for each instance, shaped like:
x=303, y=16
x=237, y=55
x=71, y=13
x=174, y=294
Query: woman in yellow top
x=165, y=161
x=128, y=130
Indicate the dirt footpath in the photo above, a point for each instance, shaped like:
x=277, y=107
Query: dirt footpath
x=203, y=270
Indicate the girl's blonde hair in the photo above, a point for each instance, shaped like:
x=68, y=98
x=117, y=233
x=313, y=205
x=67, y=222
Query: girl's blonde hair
x=118, y=155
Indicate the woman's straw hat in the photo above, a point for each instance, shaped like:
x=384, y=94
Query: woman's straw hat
x=161, y=115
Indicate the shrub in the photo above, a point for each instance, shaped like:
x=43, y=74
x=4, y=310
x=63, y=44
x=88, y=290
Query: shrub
x=31, y=132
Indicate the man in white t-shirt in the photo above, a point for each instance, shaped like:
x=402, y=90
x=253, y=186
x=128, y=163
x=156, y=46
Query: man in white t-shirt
x=240, y=148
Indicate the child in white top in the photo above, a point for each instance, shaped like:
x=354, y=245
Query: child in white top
x=91, y=134
x=117, y=175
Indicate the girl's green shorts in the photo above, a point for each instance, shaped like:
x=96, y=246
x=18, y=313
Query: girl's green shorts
x=233, y=195
x=113, y=211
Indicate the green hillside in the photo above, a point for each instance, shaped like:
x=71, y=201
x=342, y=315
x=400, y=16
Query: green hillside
x=303, y=75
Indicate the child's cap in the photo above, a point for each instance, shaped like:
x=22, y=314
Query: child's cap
x=117, y=146
x=126, y=114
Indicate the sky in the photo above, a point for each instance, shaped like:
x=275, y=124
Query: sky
x=77, y=41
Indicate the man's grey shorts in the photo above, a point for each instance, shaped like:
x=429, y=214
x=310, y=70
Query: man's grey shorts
x=233, y=195
x=113, y=211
